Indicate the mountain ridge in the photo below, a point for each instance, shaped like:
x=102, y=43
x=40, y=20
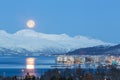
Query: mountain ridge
x=32, y=41
x=97, y=50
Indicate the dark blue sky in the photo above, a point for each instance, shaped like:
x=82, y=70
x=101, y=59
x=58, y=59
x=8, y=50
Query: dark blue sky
x=98, y=19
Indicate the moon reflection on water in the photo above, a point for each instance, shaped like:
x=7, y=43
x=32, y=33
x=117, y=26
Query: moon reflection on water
x=30, y=66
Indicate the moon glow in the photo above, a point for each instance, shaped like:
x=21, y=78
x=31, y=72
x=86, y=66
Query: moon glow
x=30, y=23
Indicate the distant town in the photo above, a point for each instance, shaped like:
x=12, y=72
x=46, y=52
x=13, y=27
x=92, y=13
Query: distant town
x=91, y=61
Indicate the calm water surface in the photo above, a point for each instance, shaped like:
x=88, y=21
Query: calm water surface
x=10, y=66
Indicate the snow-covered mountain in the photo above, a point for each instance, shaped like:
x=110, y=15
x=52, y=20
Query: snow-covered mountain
x=32, y=41
x=97, y=50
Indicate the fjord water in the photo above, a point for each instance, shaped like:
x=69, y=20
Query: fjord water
x=16, y=65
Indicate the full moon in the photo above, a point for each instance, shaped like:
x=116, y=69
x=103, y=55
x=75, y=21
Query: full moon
x=30, y=23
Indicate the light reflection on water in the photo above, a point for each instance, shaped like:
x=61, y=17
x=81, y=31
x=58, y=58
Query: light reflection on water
x=30, y=66
x=18, y=65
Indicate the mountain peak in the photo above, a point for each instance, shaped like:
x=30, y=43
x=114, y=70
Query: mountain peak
x=25, y=32
x=3, y=32
x=31, y=40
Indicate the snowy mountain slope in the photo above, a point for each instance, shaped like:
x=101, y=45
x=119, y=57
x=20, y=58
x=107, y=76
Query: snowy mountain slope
x=97, y=50
x=33, y=41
